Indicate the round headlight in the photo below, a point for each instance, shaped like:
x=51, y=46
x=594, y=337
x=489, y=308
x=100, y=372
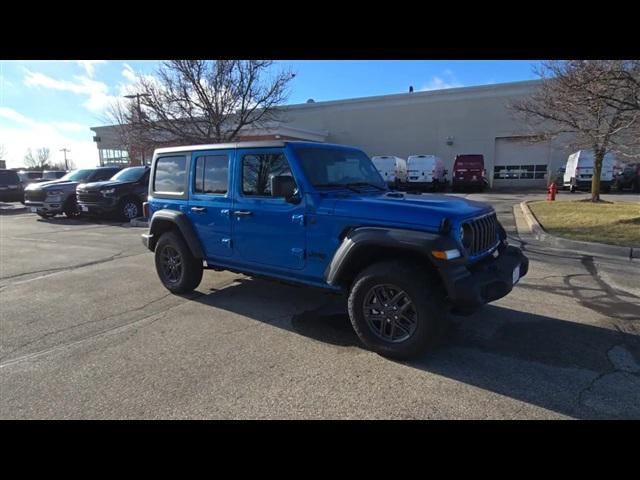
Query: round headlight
x=466, y=235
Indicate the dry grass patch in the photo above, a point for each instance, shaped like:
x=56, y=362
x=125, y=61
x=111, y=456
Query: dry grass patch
x=614, y=223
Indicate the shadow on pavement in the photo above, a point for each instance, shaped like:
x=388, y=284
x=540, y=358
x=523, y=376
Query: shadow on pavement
x=83, y=220
x=540, y=360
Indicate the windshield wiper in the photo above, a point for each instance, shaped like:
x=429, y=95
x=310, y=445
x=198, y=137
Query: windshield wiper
x=338, y=185
x=363, y=184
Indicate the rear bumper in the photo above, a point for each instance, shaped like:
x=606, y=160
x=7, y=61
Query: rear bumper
x=468, y=288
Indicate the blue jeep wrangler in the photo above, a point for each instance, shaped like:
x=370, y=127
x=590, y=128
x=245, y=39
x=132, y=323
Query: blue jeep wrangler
x=321, y=215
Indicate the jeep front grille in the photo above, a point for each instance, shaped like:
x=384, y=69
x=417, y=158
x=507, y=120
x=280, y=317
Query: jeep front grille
x=485, y=234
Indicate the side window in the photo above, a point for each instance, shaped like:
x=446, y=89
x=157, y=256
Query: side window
x=170, y=175
x=258, y=169
x=212, y=174
x=101, y=175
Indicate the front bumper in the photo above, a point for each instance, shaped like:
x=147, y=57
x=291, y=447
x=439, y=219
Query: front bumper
x=44, y=207
x=467, y=183
x=97, y=208
x=470, y=287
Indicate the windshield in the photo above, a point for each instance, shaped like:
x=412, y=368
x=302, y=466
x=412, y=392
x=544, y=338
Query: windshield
x=338, y=166
x=77, y=175
x=132, y=174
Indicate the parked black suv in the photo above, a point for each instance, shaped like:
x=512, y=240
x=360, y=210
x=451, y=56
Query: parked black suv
x=122, y=195
x=11, y=187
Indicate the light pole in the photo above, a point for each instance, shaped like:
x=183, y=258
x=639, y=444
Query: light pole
x=65, y=150
x=137, y=97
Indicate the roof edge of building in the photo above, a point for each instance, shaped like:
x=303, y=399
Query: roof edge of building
x=419, y=94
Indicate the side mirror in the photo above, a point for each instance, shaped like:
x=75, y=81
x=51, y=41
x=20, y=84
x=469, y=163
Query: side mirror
x=284, y=186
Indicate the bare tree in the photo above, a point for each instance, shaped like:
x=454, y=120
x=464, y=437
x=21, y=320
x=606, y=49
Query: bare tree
x=60, y=165
x=200, y=101
x=584, y=99
x=39, y=160
x=3, y=151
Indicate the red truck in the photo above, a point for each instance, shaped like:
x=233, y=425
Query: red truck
x=468, y=172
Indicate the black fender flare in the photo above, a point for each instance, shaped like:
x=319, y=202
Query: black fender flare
x=365, y=237
x=158, y=225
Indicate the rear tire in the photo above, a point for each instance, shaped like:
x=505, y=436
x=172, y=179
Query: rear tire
x=412, y=309
x=178, y=269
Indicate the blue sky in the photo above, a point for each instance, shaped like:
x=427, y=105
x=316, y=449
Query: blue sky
x=54, y=103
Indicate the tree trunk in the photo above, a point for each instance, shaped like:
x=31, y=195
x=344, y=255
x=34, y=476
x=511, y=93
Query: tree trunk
x=597, y=170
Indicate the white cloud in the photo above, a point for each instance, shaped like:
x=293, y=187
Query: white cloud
x=97, y=92
x=19, y=132
x=90, y=65
x=129, y=73
x=440, y=83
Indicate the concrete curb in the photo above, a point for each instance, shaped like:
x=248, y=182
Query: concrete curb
x=558, y=242
x=139, y=222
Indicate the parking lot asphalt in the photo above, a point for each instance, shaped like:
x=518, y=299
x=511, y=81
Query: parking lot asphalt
x=88, y=331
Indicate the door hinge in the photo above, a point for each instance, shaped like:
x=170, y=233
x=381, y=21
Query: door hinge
x=226, y=242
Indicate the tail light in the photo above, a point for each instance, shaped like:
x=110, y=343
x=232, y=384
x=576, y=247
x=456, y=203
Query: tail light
x=145, y=209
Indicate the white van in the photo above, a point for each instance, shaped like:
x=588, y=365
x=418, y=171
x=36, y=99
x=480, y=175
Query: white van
x=425, y=171
x=393, y=169
x=579, y=171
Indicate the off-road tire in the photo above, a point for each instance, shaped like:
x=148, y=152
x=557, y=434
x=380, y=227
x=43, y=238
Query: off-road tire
x=424, y=291
x=191, y=272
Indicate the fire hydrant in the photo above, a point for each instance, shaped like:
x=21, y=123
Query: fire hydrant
x=551, y=192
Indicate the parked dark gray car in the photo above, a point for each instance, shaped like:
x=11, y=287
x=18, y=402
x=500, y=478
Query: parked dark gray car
x=48, y=199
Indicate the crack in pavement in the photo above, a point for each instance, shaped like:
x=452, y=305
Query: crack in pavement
x=71, y=327
x=51, y=271
x=112, y=330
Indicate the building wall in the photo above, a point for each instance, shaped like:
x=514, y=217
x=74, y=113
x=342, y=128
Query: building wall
x=422, y=122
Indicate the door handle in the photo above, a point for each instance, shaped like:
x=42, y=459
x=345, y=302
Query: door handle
x=198, y=209
x=242, y=213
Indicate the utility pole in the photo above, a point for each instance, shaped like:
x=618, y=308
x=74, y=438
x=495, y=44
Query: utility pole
x=137, y=97
x=65, y=150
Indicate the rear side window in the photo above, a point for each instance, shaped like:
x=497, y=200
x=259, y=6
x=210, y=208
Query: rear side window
x=258, y=169
x=170, y=175
x=212, y=174
x=9, y=177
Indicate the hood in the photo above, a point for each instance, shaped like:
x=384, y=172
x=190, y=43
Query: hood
x=426, y=210
x=52, y=184
x=95, y=186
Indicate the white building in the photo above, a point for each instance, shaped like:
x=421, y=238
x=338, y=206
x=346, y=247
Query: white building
x=440, y=122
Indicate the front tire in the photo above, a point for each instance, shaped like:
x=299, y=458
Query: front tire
x=71, y=208
x=178, y=269
x=129, y=208
x=396, y=310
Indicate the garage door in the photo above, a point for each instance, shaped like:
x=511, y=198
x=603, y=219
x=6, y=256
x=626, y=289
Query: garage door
x=520, y=163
